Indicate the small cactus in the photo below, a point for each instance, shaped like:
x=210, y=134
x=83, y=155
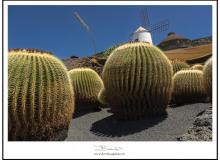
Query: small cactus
x=188, y=87
x=87, y=85
x=138, y=81
x=179, y=65
x=207, y=70
x=40, y=96
x=197, y=67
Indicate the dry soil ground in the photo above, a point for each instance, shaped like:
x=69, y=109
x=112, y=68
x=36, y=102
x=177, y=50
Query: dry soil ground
x=101, y=126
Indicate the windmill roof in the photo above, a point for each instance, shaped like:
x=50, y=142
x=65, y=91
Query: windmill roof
x=140, y=29
x=172, y=36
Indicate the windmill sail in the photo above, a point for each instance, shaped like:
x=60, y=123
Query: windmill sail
x=145, y=35
x=84, y=25
x=145, y=18
x=81, y=21
x=160, y=27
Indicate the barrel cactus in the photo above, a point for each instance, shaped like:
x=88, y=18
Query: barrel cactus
x=138, y=81
x=197, y=67
x=208, y=77
x=188, y=87
x=179, y=65
x=87, y=85
x=40, y=95
x=102, y=98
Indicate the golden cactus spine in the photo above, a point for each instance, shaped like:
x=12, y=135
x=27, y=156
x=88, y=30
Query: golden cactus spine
x=138, y=80
x=179, y=65
x=87, y=85
x=40, y=96
x=188, y=87
x=208, y=77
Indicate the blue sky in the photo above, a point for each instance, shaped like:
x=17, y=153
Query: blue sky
x=53, y=28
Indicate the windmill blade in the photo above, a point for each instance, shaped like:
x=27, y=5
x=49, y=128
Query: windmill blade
x=160, y=27
x=145, y=18
x=81, y=21
x=84, y=25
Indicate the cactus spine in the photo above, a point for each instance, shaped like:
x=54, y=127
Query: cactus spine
x=179, y=65
x=40, y=97
x=197, y=67
x=138, y=80
x=208, y=77
x=87, y=85
x=188, y=87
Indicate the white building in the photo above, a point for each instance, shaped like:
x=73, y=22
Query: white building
x=142, y=35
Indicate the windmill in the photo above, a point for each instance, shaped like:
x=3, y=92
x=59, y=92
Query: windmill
x=144, y=33
x=85, y=26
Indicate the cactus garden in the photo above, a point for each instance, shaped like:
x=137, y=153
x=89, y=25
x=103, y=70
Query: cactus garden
x=96, y=84
x=137, y=82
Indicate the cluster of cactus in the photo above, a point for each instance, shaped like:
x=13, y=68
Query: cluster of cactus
x=138, y=81
x=40, y=96
x=179, y=65
x=197, y=67
x=188, y=87
x=87, y=85
x=207, y=71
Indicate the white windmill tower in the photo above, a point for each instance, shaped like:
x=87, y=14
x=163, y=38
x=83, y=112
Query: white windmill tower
x=143, y=34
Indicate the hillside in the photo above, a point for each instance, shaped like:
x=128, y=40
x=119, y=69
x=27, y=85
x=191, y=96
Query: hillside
x=190, y=53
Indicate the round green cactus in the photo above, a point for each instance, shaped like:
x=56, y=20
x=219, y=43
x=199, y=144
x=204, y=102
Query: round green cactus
x=197, y=67
x=207, y=70
x=40, y=96
x=138, y=80
x=179, y=65
x=188, y=87
x=87, y=85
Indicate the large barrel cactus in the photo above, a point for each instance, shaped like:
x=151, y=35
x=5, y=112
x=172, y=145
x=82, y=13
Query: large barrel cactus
x=188, y=87
x=40, y=96
x=197, y=67
x=208, y=77
x=138, y=80
x=87, y=85
x=179, y=65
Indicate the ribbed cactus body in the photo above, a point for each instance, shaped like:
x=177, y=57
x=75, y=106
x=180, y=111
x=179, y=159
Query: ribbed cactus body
x=102, y=98
x=208, y=77
x=197, y=67
x=138, y=81
x=179, y=65
x=188, y=87
x=87, y=85
x=40, y=96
